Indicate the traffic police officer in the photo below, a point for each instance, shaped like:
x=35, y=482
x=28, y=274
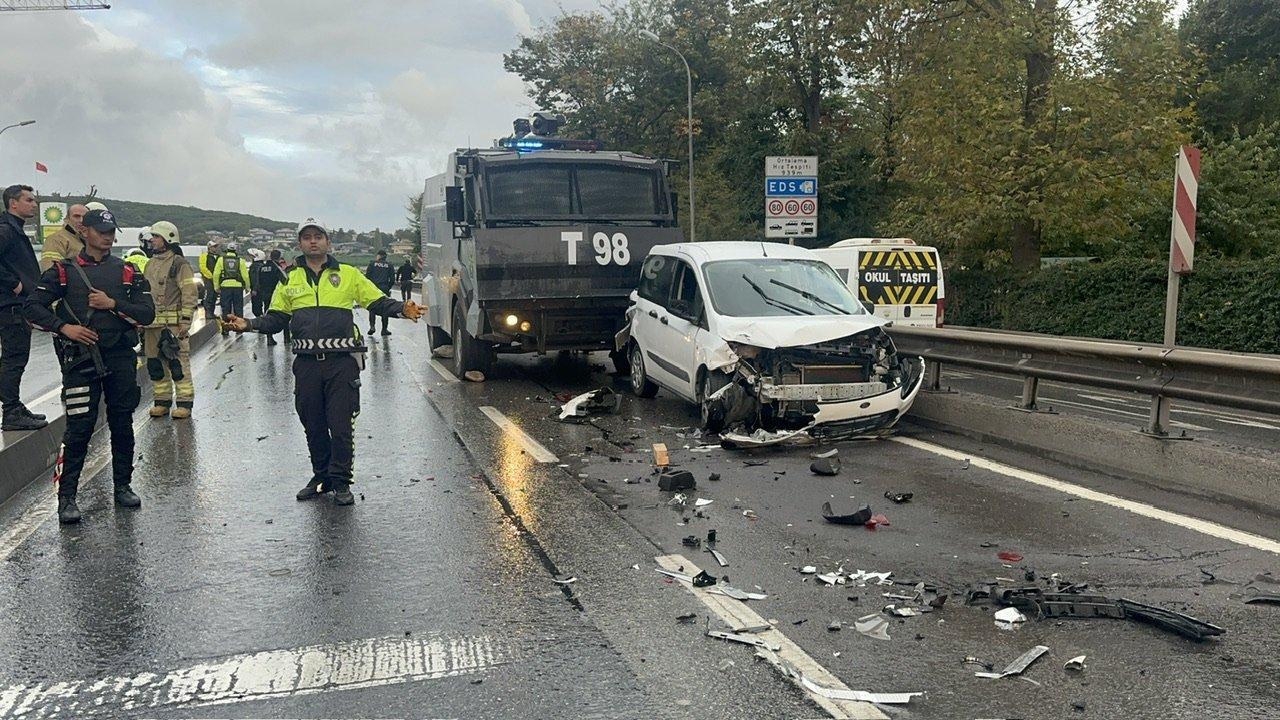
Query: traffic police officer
x=383, y=275
x=165, y=341
x=315, y=303
x=231, y=279
x=208, y=261
x=104, y=301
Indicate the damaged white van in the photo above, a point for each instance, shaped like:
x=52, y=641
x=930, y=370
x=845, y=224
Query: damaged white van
x=767, y=340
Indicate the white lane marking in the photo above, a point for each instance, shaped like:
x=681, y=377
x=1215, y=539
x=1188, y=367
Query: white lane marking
x=533, y=447
x=444, y=372
x=1224, y=417
x=1127, y=402
x=1246, y=423
x=272, y=674
x=1205, y=527
x=1127, y=413
x=42, y=509
x=738, y=614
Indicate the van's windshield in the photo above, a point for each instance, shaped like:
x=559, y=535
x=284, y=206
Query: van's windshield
x=774, y=287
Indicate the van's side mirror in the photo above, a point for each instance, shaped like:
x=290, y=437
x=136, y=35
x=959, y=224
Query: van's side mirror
x=455, y=209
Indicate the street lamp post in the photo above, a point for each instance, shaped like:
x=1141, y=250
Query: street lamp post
x=24, y=123
x=689, y=78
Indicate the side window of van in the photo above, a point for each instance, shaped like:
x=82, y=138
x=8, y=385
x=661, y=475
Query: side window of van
x=656, y=276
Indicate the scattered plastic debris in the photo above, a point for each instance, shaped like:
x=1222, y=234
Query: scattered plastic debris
x=1009, y=556
x=736, y=594
x=474, y=376
x=860, y=517
x=703, y=579
x=564, y=579
x=744, y=639
x=711, y=537
x=713, y=477
x=834, y=626
x=873, y=626
x=596, y=402
x=1017, y=666
x=691, y=541
x=687, y=618
x=808, y=570
x=858, y=695
x=750, y=514
x=876, y=521
x=719, y=558
x=702, y=502
x=1263, y=599
x=898, y=498
x=764, y=438
x=831, y=578
x=898, y=611
x=1009, y=618
x=825, y=466
x=678, y=499
x=826, y=455
x=676, y=480
x=1075, y=664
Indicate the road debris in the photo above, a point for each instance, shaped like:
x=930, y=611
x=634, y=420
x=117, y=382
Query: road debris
x=687, y=618
x=596, y=402
x=808, y=570
x=831, y=578
x=702, y=502
x=1075, y=664
x=825, y=466
x=897, y=611
x=898, y=498
x=971, y=660
x=736, y=594
x=744, y=639
x=858, y=695
x=474, y=376
x=564, y=579
x=834, y=626
x=861, y=517
x=678, y=499
x=828, y=454
x=661, y=458
x=716, y=554
x=711, y=537
x=1053, y=598
x=1009, y=618
x=873, y=626
x=713, y=477
x=1263, y=599
x=876, y=521
x=1009, y=556
x=676, y=480
x=750, y=514
x=763, y=438
x=1017, y=666
x=691, y=541
x=703, y=579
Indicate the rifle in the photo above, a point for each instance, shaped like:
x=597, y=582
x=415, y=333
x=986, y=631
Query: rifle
x=100, y=368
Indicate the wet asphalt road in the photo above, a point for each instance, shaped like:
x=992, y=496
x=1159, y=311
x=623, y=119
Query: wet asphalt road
x=224, y=597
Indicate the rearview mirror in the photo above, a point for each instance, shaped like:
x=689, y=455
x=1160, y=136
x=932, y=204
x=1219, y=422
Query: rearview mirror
x=455, y=209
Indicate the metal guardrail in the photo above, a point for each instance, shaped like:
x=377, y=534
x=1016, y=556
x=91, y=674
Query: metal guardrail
x=1235, y=380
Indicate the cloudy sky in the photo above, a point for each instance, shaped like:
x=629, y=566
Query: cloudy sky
x=283, y=108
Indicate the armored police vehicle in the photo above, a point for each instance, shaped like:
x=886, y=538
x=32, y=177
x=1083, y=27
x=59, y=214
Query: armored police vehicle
x=535, y=244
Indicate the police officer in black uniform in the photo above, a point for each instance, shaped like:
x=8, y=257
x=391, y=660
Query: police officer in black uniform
x=315, y=302
x=104, y=301
x=383, y=275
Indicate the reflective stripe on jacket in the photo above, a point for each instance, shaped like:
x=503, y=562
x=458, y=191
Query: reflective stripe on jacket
x=173, y=287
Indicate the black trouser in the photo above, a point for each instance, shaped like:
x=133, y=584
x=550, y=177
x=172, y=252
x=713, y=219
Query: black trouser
x=210, y=298
x=15, y=350
x=81, y=393
x=406, y=292
x=373, y=320
x=232, y=300
x=261, y=304
x=326, y=394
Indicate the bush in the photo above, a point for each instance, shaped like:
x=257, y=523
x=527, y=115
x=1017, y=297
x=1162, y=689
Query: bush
x=1225, y=305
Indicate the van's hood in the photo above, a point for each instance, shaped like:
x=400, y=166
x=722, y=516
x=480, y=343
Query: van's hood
x=793, y=331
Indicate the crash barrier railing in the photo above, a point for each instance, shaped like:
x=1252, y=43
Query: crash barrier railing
x=1235, y=380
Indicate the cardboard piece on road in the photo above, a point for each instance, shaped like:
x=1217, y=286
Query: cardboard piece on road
x=661, y=458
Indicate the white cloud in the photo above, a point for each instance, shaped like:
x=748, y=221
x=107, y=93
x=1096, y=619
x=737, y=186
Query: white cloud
x=280, y=108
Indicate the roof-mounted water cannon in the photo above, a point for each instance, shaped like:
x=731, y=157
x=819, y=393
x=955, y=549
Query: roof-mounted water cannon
x=539, y=133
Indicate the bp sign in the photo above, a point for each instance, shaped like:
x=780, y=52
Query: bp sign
x=53, y=213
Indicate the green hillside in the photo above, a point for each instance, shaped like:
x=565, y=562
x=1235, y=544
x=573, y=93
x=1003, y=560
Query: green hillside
x=191, y=221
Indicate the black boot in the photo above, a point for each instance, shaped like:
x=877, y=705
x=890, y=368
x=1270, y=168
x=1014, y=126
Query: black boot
x=342, y=494
x=38, y=416
x=126, y=497
x=312, y=490
x=68, y=512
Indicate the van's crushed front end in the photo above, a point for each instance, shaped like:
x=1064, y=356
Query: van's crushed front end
x=834, y=387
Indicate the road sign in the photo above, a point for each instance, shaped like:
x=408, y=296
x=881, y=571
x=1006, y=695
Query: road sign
x=791, y=196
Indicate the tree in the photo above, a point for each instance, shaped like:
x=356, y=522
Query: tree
x=413, y=206
x=1239, y=205
x=1237, y=43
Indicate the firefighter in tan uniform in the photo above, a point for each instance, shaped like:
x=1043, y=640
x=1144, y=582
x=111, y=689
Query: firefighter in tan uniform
x=165, y=342
x=66, y=242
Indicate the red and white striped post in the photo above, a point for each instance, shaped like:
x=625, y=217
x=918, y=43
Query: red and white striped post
x=1182, y=251
x=1182, y=242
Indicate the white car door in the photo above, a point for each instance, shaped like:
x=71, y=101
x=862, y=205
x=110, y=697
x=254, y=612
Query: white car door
x=656, y=276
x=676, y=334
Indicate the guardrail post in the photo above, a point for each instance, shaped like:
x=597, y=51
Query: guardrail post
x=1158, y=423
x=932, y=376
x=1030, y=386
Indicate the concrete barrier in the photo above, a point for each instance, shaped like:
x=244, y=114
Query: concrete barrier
x=27, y=457
x=1198, y=467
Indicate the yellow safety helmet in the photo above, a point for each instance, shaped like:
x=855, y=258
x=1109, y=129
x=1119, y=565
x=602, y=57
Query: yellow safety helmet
x=166, y=230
